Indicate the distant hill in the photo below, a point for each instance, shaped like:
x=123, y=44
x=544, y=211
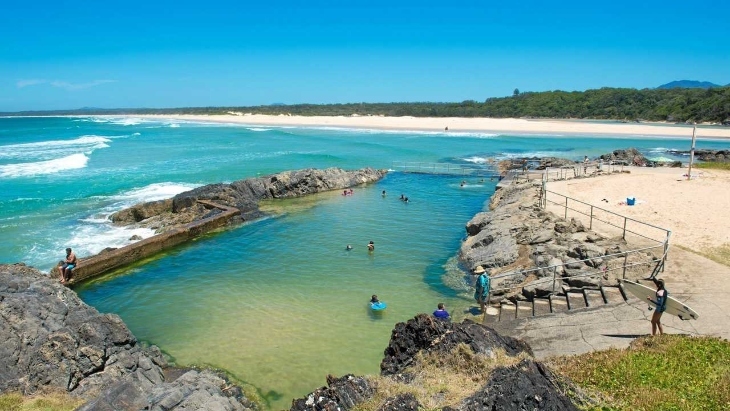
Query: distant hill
x=689, y=84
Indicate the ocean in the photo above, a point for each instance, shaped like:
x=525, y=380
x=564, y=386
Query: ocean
x=278, y=303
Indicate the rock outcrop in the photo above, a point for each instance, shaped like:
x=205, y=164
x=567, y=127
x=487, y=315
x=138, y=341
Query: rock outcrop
x=630, y=156
x=426, y=333
x=529, y=385
x=706, y=154
x=517, y=235
x=243, y=194
x=52, y=339
x=340, y=394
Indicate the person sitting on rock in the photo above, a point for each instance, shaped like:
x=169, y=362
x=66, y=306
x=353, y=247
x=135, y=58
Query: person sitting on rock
x=441, y=312
x=68, y=264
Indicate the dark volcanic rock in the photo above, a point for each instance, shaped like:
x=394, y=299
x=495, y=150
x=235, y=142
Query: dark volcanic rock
x=426, y=333
x=528, y=385
x=402, y=402
x=630, y=156
x=194, y=390
x=341, y=394
x=243, y=194
x=51, y=338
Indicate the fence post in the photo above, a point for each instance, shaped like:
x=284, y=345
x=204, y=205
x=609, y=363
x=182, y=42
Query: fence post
x=626, y=261
x=566, y=207
x=624, y=234
x=590, y=223
x=555, y=272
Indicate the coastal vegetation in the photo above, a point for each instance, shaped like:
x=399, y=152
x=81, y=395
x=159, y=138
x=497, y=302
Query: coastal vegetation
x=57, y=401
x=441, y=379
x=667, y=372
x=713, y=165
x=710, y=105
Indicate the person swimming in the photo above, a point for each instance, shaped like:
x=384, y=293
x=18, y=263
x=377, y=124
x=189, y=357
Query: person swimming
x=348, y=248
x=371, y=246
x=374, y=299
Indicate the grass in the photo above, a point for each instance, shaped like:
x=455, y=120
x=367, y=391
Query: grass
x=720, y=254
x=48, y=401
x=713, y=165
x=669, y=372
x=441, y=379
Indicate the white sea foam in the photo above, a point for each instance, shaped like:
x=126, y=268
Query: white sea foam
x=153, y=192
x=74, y=161
x=46, y=150
x=477, y=160
x=257, y=129
x=531, y=154
x=92, y=238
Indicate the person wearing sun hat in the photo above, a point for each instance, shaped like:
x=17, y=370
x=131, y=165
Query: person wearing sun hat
x=481, y=288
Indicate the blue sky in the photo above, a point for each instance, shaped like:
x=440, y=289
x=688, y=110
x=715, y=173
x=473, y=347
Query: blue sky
x=72, y=54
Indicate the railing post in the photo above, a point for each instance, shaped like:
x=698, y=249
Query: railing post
x=590, y=222
x=555, y=272
x=566, y=207
x=624, y=234
x=626, y=261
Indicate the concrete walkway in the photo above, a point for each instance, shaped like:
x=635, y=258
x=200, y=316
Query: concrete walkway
x=701, y=283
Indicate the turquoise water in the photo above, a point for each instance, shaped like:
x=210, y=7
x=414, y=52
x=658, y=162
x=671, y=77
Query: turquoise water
x=277, y=302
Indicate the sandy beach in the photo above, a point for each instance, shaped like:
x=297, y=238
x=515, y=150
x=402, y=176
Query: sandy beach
x=694, y=210
x=457, y=125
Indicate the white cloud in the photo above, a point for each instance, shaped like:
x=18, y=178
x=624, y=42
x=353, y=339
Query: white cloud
x=78, y=86
x=62, y=84
x=31, y=82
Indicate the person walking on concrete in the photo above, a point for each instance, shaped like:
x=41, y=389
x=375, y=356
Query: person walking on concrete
x=661, y=305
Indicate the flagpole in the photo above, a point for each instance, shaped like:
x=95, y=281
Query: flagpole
x=692, y=151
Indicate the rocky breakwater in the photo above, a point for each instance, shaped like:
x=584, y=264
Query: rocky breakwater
x=243, y=195
x=535, y=253
x=194, y=212
x=513, y=381
x=54, y=341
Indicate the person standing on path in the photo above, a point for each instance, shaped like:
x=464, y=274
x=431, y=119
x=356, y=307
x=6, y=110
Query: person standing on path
x=481, y=288
x=661, y=305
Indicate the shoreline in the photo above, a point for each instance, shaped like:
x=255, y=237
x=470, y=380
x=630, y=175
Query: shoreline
x=456, y=125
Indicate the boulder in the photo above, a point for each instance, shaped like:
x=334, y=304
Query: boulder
x=542, y=236
x=541, y=288
x=401, y=402
x=341, y=394
x=528, y=385
x=425, y=333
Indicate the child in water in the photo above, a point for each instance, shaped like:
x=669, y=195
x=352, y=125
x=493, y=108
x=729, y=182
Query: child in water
x=374, y=299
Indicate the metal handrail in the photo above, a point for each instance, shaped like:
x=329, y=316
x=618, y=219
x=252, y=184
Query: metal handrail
x=660, y=262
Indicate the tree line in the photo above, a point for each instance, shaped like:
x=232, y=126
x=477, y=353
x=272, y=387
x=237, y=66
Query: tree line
x=625, y=104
